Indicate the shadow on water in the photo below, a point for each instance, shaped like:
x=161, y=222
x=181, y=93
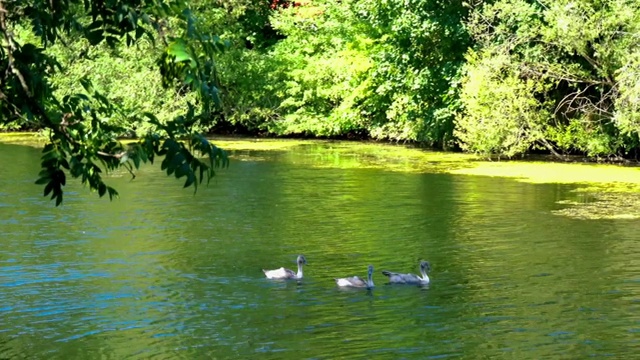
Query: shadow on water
x=163, y=273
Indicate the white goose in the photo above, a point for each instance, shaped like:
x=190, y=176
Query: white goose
x=356, y=281
x=283, y=273
x=397, y=278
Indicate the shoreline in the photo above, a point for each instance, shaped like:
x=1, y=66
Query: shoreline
x=532, y=168
x=614, y=189
x=240, y=142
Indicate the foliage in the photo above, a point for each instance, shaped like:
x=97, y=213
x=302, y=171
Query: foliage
x=494, y=77
x=580, y=56
x=411, y=92
x=627, y=104
x=503, y=115
x=321, y=76
x=81, y=137
x=354, y=67
x=304, y=83
x=127, y=76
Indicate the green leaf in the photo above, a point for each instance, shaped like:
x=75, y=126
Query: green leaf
x=102, y=189
x=47, y=148
x=112, y=193
x=139, y=31
x=152, y=119
x=94, y=37
x=190, y=180
x=175, y=163
x=202, y=170
x=112, y=41
x=136, y=159
x=86, y=84
x=48, y=188
x=95, y=25
x=165, y=163
x=62, y=178
x=179, y=51
x=113, y=31
x=52, y=155
x=76, y=167
x=182, y=170
x=42, y=181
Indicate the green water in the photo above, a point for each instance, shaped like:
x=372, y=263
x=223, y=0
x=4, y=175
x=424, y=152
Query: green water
x=162, y=273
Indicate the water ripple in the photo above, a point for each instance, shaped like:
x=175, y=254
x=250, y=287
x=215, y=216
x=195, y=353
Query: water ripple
x=165, y=274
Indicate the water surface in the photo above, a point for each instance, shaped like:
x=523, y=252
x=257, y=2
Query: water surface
x=163, y=273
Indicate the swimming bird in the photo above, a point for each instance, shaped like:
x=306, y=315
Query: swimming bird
x=283, y=273
x=397, y=278
x=356, y=281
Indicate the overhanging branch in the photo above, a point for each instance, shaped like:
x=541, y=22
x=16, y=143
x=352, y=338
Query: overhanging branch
x=11, y=49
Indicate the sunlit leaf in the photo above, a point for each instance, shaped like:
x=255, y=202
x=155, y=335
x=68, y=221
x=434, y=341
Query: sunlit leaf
x=178, y=49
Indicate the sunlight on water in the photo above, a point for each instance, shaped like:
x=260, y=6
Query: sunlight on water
x=163, y=273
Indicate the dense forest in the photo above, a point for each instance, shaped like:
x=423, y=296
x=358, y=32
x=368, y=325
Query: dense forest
x=501, y=77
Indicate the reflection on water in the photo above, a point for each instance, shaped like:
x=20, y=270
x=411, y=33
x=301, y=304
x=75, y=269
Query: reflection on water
x=167, y=274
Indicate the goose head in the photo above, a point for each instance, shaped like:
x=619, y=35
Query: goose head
x=301, y=260
x=425, y=266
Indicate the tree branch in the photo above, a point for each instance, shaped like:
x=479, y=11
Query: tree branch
x=551, y=149
x=106, y=154
x=12, y=48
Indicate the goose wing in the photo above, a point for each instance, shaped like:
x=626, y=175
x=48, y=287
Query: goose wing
x=354, y=281
x=398, y=278
x=281, y=273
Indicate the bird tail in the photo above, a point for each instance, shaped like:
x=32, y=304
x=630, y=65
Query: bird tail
x=386, y=273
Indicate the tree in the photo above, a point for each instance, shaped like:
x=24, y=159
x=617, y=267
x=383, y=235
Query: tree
x=355, y=68
x=412, y=91
x=81, y=142
x=557, y=74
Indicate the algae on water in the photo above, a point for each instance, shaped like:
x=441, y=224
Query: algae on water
x=23, y=138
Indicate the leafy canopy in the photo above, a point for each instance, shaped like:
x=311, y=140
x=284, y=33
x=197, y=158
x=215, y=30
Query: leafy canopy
x=82, y=142
x=557, y=74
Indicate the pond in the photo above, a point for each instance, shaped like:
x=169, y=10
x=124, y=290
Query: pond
x=168, y=274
